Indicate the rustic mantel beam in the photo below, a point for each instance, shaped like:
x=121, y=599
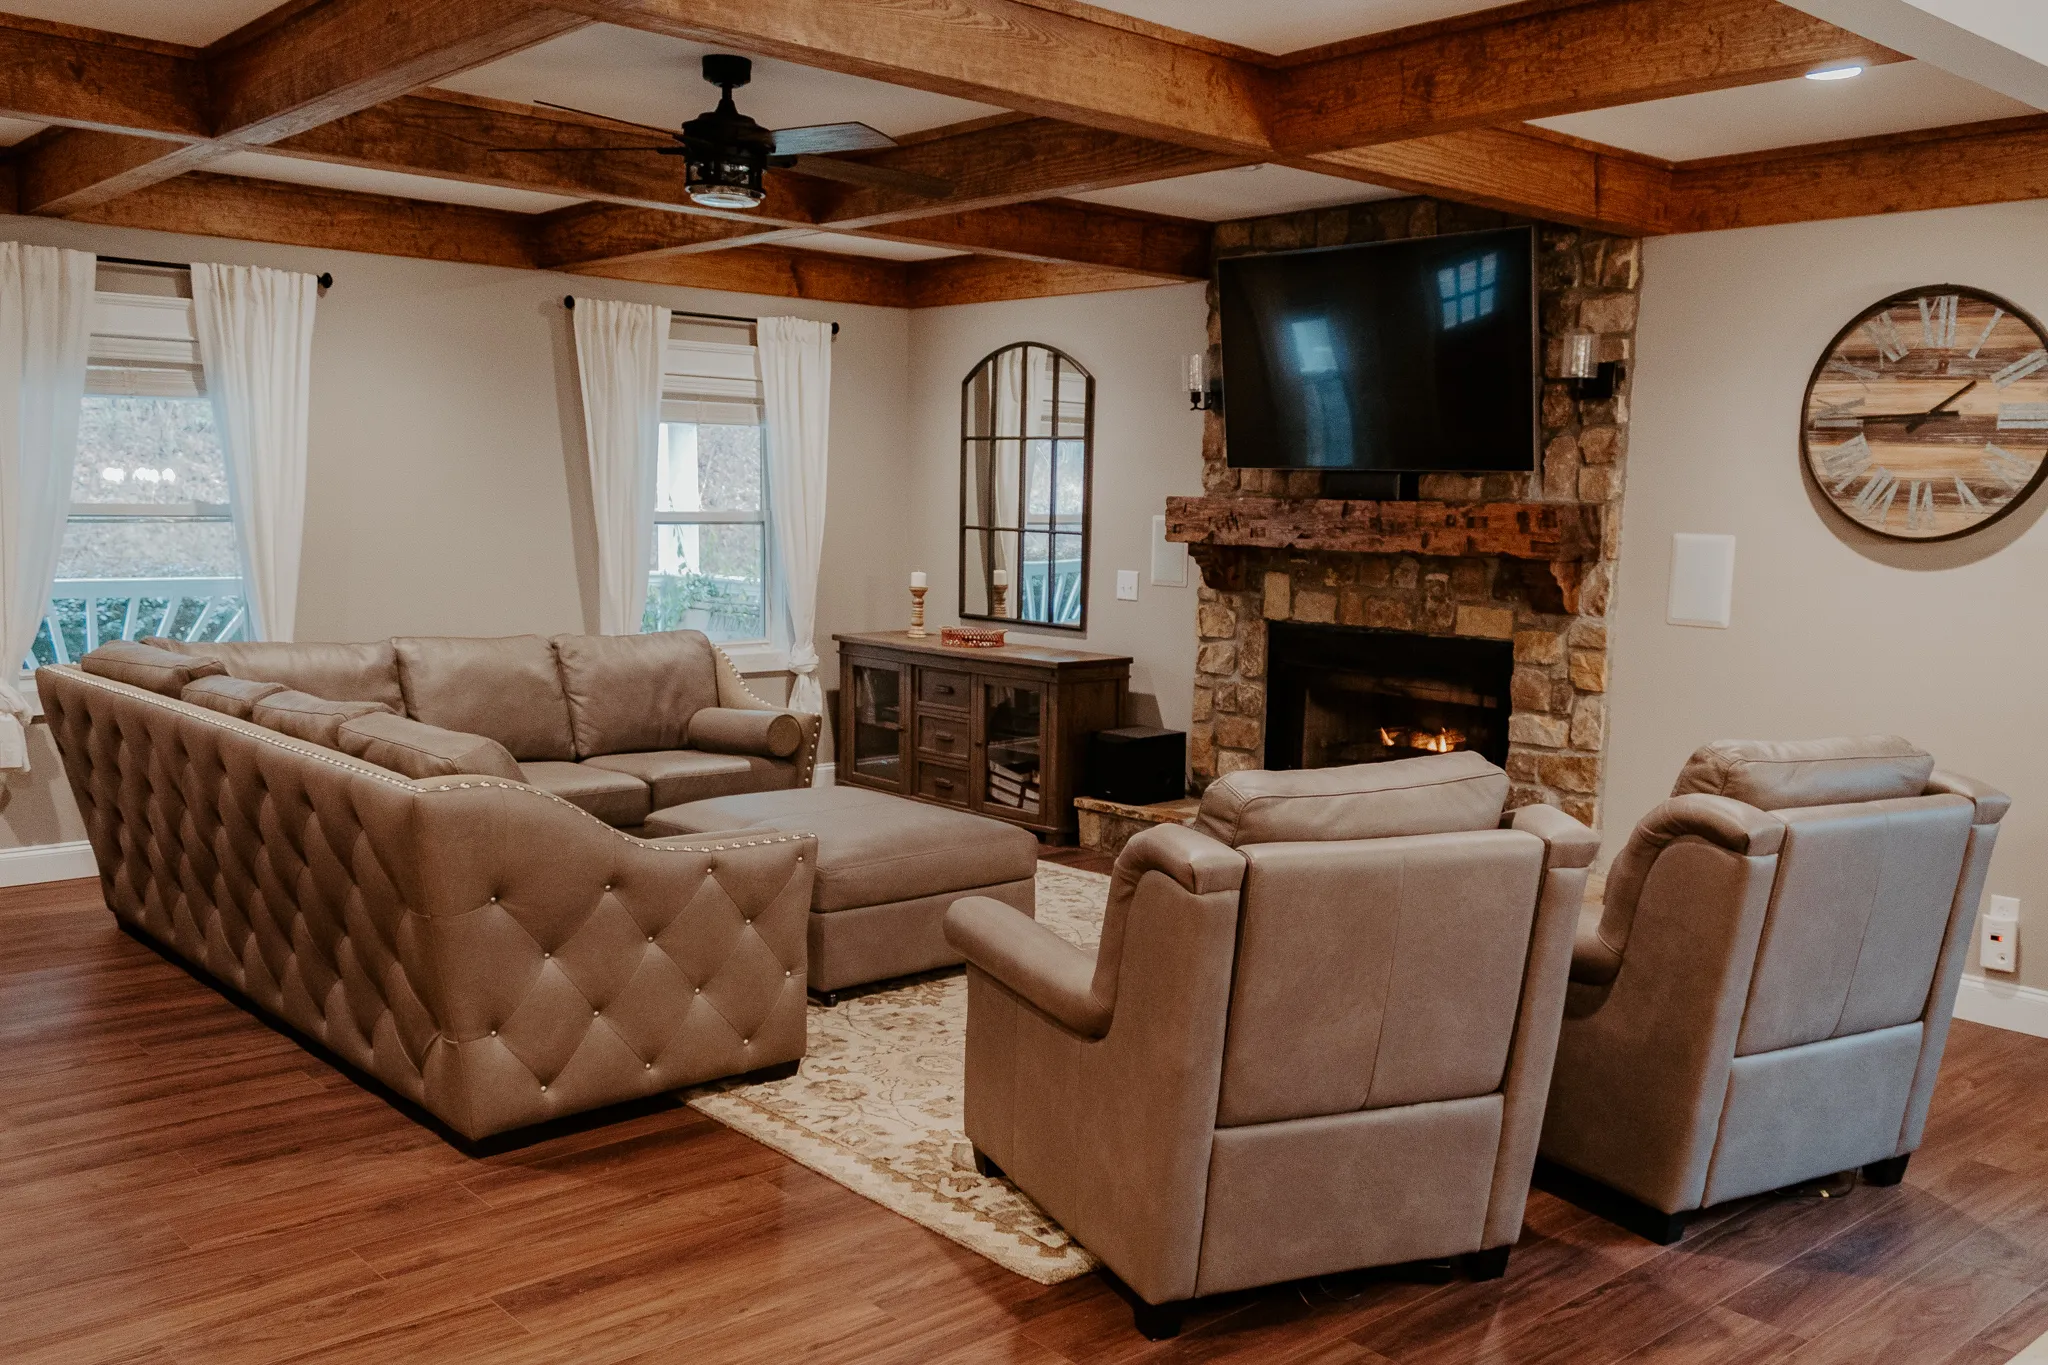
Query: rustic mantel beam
x=1556, y=532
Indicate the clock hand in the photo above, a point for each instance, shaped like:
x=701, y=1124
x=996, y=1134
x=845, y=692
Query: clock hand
x=1939, y=409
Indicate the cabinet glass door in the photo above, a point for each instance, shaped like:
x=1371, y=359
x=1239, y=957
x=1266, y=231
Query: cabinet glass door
x=1012, y=727
x=878, y=720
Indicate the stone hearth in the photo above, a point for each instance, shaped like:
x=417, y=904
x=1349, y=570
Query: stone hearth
x=1552, y=607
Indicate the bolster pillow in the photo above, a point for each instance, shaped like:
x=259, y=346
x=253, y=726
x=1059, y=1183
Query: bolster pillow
x=140, y=665
x=230, y=696
x=420, y=750
x=730, y=730
x=313, y=719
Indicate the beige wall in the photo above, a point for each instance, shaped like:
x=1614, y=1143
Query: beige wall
x=1147, y=445
x=446, y=488
x=1834, y=631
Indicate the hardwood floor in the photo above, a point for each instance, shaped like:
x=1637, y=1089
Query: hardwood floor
x=180, y=1184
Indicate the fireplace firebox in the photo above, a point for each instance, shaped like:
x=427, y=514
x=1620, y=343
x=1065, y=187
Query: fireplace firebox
x=1343, y=694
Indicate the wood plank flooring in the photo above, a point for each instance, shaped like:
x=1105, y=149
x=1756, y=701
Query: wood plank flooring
x=179, y=1185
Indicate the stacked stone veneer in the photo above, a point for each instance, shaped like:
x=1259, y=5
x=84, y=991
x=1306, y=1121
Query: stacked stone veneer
x=1558, y=724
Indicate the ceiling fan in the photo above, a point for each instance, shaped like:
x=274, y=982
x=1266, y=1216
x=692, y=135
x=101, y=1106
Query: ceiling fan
x=724, y=152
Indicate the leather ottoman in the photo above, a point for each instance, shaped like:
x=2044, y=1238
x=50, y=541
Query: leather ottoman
x=887, y=868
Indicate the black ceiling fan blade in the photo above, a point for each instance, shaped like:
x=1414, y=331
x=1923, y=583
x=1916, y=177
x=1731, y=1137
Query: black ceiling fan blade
x=830, y=137
x=591, y=113
x=868, y=177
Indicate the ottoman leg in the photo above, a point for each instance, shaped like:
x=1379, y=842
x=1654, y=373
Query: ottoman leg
x=826, y=998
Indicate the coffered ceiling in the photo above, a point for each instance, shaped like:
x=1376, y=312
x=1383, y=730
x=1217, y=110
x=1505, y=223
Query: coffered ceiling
x=1057, y=147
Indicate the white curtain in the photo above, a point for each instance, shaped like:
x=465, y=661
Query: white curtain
x=619, y=350
x=796, y=394
x=45, y=324
x=256, y=345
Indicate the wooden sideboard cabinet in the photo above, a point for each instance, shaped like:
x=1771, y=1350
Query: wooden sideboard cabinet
x=999, y=732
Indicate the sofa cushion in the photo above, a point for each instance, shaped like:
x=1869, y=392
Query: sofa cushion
x=420, y=750
x=235, y=697
x=730, y=730
x=1778, y=774
x=613, y=797
x=679, y=775
x=635, y=693
x=313, y=719
x=873, y=849
x=144, y=666
x=505, y=688
x=1433, y=795
x=343, y=672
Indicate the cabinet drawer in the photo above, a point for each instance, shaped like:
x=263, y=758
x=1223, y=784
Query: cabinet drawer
x=942, y=737
x=936, y=687
x=938, y=782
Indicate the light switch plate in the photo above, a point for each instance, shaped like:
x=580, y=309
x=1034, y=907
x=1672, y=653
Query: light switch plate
x=1126, y=585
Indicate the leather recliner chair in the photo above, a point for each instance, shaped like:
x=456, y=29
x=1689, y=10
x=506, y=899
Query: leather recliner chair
x=1764, y=997
x=1316, y=1036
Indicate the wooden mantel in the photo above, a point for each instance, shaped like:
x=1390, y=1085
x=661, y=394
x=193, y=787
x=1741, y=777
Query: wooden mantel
x=1557, y=532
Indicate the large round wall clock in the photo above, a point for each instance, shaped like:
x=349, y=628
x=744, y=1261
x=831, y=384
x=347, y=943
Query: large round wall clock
x=1927, y=417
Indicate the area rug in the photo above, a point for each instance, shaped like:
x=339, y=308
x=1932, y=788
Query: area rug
x=876, y=1105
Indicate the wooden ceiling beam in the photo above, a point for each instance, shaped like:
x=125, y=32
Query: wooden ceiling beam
x=1984, y=163
x=591, y=234
x=273, y=80
x=774, y=271
x=1549, y=60
x=81, y=78
x=989, y=279
x=1068, y=234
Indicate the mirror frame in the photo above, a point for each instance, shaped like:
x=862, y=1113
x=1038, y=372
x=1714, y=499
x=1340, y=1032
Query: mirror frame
x=967, y=439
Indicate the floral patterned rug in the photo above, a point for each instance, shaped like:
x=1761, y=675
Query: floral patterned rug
x=876, y=1105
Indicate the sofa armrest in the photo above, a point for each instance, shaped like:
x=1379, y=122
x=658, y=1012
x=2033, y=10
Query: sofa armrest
x=1992, y=803
x=1735, y=825
x=1569, y=843
x=1200, y=862
x=762, y=734
x=1047, y=971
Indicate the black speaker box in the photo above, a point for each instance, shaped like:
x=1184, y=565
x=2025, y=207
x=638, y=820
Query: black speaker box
x=1138, y=765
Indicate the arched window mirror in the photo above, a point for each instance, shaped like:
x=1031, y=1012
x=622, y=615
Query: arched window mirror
x=1027, y=435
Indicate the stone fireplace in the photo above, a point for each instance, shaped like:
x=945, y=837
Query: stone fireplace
x=1388, y=597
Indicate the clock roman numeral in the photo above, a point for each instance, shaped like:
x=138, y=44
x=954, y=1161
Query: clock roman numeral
x=1966, y=497
x=1839, y=416
x=1854, y=371
x=1920, y=505
x=2019, y=369
x=1846, y=461
x=1885, y=334
x=1938, y=321
x=2023, y=416
x=1877, y=495
x=2008, y=468
x=1985, y=335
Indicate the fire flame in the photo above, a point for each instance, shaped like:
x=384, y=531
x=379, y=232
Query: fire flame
x=1442, y=742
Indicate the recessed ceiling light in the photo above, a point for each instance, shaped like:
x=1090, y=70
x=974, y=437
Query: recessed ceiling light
x=1835, y=73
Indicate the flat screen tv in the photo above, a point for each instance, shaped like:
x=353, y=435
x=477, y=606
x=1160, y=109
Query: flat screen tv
x=1399, y=357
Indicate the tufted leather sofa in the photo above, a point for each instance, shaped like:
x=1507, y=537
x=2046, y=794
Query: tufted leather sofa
x=483, y=948
x=619, y=725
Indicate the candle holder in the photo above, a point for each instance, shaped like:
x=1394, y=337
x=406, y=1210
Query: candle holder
x=999, y=600
x=917, y=612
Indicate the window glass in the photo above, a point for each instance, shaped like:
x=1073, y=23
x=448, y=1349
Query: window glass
x=710, y=556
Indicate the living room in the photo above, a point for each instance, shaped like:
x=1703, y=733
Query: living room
x=434, y=328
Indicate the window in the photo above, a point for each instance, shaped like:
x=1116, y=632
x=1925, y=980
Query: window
x=149, y=548
x=711, y=534
x=1469, y=290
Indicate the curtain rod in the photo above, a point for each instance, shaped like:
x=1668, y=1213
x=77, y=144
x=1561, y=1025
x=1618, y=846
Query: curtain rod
x=569, y=302
x=326, y=280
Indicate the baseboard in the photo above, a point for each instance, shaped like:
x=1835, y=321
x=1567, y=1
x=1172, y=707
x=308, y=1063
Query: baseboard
x=46, y=863
x=825, y=775
x=2003, y=1004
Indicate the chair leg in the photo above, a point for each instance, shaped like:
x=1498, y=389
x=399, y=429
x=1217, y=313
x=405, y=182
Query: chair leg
x=1490, y=1264
x=1890, y=1171
x=1651, y=1224
x=986, y=1167
x=1157, y=1321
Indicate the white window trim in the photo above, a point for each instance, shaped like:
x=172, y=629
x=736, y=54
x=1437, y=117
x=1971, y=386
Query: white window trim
x=716, y=381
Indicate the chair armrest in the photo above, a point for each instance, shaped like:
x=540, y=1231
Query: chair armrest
x=1570, y=843
x=1047, y=971
x=1199, y=862
x=760, y=733
x=1595, y=962
x=1735, y=825
x=1992, y=803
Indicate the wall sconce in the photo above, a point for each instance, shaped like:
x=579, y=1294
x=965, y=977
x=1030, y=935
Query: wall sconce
x=1204, y=393
x=1579, y=362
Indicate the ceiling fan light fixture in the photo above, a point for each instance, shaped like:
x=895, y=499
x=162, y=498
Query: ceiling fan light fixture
x=723, y=183
x=725, y=153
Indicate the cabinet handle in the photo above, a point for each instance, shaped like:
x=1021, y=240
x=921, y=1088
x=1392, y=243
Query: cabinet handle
x=943, y=736
x=943, y=783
